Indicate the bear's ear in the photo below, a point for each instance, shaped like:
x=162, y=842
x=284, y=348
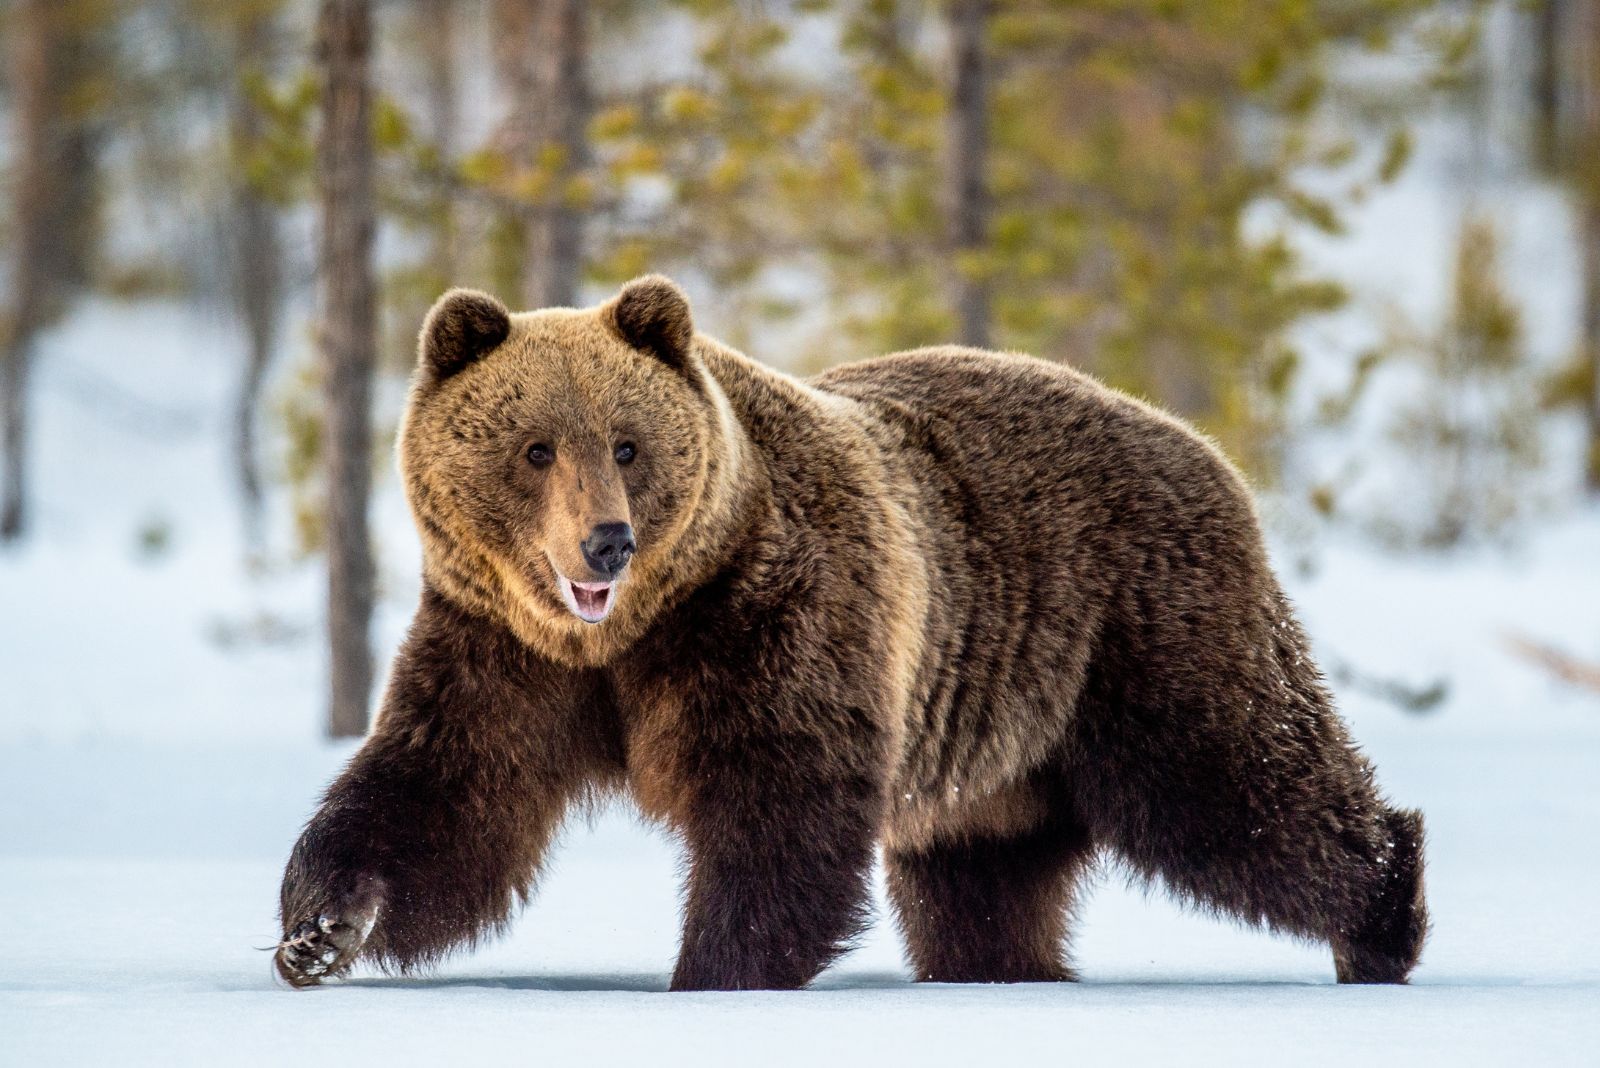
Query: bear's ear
x=464, y=325
x=652, y=314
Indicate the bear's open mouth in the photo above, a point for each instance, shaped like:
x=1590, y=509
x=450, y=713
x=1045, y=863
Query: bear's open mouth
x=589, y=601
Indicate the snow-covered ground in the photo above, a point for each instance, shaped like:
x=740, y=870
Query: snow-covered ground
x=142, y=881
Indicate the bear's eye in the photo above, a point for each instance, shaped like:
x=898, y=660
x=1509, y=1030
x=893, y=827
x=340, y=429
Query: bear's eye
x=541, y=455
x=626, y=452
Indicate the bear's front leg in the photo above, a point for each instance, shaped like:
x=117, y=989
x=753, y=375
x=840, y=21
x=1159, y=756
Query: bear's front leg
x=780, y=836
x=329, y=939
x=437, y=826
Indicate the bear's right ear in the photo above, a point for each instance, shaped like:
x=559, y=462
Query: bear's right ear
x=463, y=326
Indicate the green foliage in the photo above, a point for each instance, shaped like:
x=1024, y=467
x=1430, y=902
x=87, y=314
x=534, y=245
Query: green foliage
x=75, y=89
x=1147, y=161
x=153, y=538
x=1570, y=386
x=728, y=148
x=1397, y=151
x=1566, y=95
x=1129, y=141
x=301, y=415
x=277, y=162
x=1469, y=438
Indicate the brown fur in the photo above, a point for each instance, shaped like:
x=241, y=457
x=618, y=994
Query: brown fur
x=976, y=608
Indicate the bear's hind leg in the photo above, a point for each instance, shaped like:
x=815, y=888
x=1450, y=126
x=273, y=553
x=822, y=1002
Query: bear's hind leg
x=990, y=910
x=1385, y=945
x=1272, y=818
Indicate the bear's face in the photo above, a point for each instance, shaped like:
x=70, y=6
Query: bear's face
x=553, y=458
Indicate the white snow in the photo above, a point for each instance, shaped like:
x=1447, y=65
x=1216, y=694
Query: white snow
x=141, y=882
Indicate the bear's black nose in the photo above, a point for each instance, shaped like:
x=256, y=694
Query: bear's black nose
x=609, y=547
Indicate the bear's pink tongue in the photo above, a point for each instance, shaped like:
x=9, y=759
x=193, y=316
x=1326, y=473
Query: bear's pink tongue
x=592, y=599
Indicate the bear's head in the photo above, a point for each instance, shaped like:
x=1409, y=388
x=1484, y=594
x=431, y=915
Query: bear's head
x=556, y=461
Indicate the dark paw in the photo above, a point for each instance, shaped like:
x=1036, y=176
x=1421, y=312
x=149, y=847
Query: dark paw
x=1384, y=946
x=326, y=945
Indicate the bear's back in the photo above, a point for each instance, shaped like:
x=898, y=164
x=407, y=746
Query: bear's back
x=1057, y=516
x=1030, y=442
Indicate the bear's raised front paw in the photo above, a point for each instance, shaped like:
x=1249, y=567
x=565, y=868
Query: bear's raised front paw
x=326, y=945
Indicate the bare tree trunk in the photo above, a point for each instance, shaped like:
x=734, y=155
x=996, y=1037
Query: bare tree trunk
x=348, y=342
x=1545, y=77
x=542, y=64
x=1590, y=236
x=35, y=47
x=438, y=23
x=968, y=163
x=1584, y=37
x=257, y=257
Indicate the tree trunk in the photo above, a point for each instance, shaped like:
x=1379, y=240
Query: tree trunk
x=542, y=64
x=257, y=255
x=1584, y=38
x=1545, y=78
x=348, y=344
x=1590, y=236
x=968, y=163
x=36, y=45
x=438, y=23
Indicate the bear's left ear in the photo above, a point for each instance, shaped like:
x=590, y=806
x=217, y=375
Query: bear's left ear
x=652, y=314
x=463, y=326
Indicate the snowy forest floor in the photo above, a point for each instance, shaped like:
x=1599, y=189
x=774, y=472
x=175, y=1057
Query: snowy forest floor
x=142, y=881
x=158, y=753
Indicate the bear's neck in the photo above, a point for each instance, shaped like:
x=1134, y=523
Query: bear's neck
x=735, y=488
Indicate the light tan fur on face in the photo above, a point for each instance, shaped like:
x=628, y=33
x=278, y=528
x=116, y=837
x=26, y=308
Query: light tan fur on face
x=585, y=491
x=494, y=533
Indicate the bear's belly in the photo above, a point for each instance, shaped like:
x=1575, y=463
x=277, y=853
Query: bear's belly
x=916, y=817
x=918, y=820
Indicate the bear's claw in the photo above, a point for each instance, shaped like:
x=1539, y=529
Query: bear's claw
x=322, y=948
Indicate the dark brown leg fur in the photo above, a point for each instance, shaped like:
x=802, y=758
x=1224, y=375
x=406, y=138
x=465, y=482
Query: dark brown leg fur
x=435, y=830
x=778, y=881
x=988, y=910
x=414, y=852
x=1292, y=834
x=1384, y=947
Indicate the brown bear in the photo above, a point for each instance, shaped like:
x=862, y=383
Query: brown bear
x=976, y=609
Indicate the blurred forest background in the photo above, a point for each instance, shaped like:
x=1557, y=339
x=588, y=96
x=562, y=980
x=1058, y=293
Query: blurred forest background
x=1136, y=187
